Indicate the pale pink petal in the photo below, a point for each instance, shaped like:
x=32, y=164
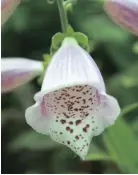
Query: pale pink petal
x=7, y=8
x=124, y=13
x=18, y=71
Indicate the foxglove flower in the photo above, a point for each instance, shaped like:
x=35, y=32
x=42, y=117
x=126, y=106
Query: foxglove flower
x=7, y=7
x=18, y=71
x=72, y=105
x=124, y=13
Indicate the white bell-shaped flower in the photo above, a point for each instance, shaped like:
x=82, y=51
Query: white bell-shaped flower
x=18, y=71
x=72, y=105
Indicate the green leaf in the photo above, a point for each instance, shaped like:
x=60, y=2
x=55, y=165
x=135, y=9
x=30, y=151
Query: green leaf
x=121, y=54
x=135, y=126
x=32, y=140
x=129, y=108
x=98, y=156
x=135, y=48
x=101, y=29
x=95, y=153
x=124, y=85
x=122, y=143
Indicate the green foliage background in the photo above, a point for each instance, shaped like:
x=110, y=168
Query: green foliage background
x=28, y=34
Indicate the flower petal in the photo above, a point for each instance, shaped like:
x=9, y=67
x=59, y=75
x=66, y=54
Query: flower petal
x=7, y=8
x=70, y=116
x=71, y=65
x=76, y=138
x=109, y=109
x=18, y=71
x=72, y=105
x=35, y=118
x=124, y=13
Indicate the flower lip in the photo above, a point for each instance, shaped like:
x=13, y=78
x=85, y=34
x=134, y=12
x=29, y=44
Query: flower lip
x=72, y=118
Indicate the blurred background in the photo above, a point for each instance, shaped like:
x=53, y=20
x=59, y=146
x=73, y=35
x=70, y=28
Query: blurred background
x=28, y=34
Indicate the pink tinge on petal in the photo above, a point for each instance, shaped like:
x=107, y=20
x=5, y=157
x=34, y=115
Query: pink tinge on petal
x=43, y=109
x=13, y=79
x=9, y=4
x=7, y=7
x=124, y=15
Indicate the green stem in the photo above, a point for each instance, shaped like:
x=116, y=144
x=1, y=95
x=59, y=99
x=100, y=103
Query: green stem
x=63, y=15
x=129, y=108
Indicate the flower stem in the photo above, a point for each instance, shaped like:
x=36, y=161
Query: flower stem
x=129, y=108
x=63, y=15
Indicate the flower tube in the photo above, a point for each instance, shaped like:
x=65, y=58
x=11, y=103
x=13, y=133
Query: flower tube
x=72, y=106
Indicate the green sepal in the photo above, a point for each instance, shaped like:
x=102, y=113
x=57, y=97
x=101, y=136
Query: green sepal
x=82, y=40
x=46, y=58
x=58, y=38
x=69, y=31
x=56, y=42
